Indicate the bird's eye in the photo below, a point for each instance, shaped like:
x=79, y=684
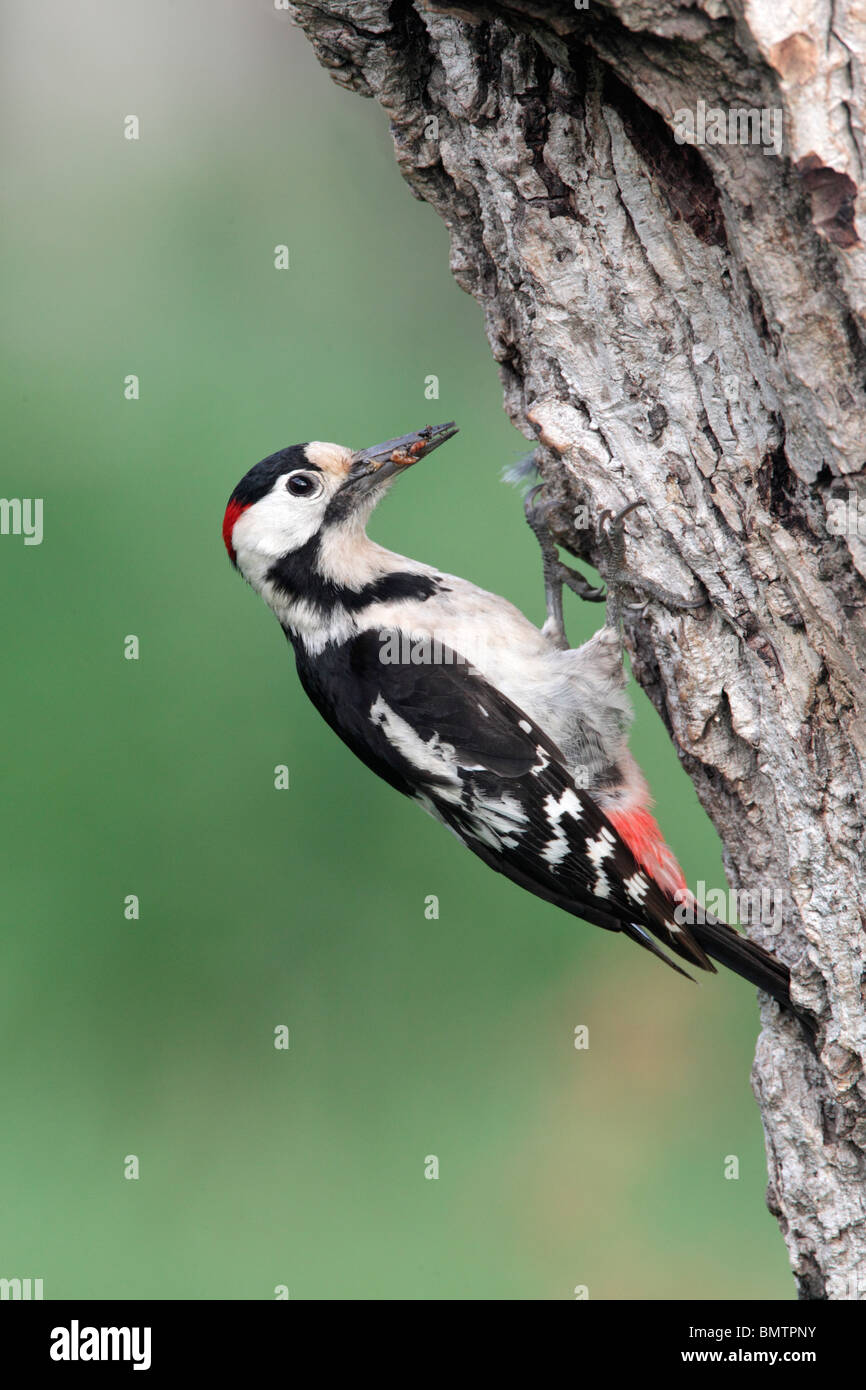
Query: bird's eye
x=302, y=485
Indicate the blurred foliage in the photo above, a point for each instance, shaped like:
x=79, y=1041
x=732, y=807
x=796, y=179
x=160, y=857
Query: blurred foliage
x=409, y=1037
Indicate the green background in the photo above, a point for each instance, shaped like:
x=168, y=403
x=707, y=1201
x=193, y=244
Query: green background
x=304, y=907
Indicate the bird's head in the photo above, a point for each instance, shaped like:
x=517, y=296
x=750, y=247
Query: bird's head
x=311, y=497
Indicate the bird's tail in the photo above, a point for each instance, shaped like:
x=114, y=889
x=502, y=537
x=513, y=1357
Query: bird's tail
x=749, y=960
x=702, y=934
x=711, y=938
x=744, y=957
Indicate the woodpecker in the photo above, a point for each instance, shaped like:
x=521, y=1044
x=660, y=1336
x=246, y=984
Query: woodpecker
x=499, y=729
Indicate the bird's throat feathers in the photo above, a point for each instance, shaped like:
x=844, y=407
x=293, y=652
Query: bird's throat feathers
x=340, y=582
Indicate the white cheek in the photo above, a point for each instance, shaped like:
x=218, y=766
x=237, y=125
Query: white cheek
x=275, y=525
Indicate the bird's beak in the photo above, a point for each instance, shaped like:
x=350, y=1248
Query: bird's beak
x=382, y=461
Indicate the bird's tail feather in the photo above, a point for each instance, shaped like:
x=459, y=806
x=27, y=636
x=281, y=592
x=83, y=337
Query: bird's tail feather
x=708, y=939
x=704, y=935
x=749, y=960
x=744, y=957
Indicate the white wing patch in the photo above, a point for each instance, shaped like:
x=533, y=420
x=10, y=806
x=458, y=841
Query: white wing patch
x=543, y=760
x=556, y=849
x=599, y=850
x=568, y=805
x=601, y=887
x=495, y=820
x=637, y=886
x=434, y=758
x=596, y=852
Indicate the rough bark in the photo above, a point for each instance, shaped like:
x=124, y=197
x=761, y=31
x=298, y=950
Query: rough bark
x=684, y=323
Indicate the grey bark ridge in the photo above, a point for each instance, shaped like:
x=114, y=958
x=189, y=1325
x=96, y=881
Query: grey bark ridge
x=684, y=323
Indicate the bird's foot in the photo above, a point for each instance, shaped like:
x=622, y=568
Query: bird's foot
x=556, y=574
x=611, y=537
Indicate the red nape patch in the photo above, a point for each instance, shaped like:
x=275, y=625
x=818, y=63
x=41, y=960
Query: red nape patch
x=646, y=842
x=233, y=511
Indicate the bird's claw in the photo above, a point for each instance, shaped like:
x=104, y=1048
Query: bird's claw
x=611, y=535
x=612, y=521
x=556, y=574
x=581, y=586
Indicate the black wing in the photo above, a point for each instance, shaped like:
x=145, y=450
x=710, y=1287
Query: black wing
x=443, y=735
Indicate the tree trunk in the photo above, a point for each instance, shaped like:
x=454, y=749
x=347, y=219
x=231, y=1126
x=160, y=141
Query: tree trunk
x=655, y=203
